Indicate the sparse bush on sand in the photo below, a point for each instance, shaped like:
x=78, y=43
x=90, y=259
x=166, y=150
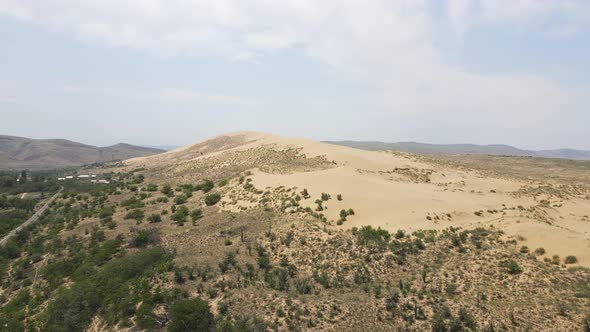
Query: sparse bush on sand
x=512, y=267
x=136, y=214
x=212, y=199
x=305, y=194
x=540, y=251
x=154, y=218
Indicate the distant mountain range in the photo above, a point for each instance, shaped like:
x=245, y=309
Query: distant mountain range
x=21, y=153
x=495, y=149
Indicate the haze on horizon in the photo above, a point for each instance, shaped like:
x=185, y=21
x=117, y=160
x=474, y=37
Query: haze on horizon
x=173, y=72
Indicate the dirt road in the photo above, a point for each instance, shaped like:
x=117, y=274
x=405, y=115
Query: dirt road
x=31, y=220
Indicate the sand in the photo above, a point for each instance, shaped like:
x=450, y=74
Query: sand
x=399, y=191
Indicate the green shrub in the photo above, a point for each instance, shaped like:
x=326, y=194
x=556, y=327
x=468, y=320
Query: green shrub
x=343, y=214
x=143, y=238
x=228, y=261
x=167, y=190
x=136, y=214
x=206, y=186
x=339, y=197
x=196, y=214
x=154, y=218
x=152, y=187
x=132, y=203
x=106, y=212
x=145, y=317
x=524, y=250
x=190, y=315
x=540, y=251
x=400, y=234
x=512, y=267
x=467, y=320
x=223, y=183
x=325, y=196
x=305, y=194
x=571, y=260
x=374, y=238
x=106, y=291
x=180, y=199
x=180, y=215
x=212, y=199
x=303, y=285
x=451, y=289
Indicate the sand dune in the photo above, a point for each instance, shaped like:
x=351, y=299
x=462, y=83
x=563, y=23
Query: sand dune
x=400, y=191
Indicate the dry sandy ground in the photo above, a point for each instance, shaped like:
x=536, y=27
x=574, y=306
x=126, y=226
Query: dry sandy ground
x=398, y=191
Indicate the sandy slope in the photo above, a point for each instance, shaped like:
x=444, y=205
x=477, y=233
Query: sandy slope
x=398, y=191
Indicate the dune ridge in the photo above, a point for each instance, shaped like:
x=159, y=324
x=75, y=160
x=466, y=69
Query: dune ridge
x=395, y=190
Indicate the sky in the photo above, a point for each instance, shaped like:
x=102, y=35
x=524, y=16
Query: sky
x=173, y=72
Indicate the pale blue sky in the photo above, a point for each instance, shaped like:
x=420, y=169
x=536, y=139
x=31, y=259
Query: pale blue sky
x=158, y=72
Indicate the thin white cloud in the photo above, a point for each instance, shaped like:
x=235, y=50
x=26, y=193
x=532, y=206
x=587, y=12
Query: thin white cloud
x=247, y=56
x=564, y=31
x=190, y=96
x=19, y=93
x=392, y=45
x=520, y=15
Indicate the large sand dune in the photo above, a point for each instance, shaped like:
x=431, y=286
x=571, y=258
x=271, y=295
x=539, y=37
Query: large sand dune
x=403, y=191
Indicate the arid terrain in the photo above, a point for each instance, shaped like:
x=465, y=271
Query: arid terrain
x=544, y=206
x=289, y=234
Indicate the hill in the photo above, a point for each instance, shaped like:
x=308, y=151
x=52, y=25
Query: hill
x=21, y=153
x=257, y=232
x=494, y=149
x=400, y=191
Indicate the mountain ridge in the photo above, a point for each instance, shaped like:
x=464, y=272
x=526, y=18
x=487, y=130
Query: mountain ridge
x=488, y=149
x=21, y=152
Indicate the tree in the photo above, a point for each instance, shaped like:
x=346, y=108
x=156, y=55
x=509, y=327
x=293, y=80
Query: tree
x=23, y=177
x=190, y=315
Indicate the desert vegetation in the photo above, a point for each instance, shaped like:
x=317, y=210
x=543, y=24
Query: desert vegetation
x=213, y=248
